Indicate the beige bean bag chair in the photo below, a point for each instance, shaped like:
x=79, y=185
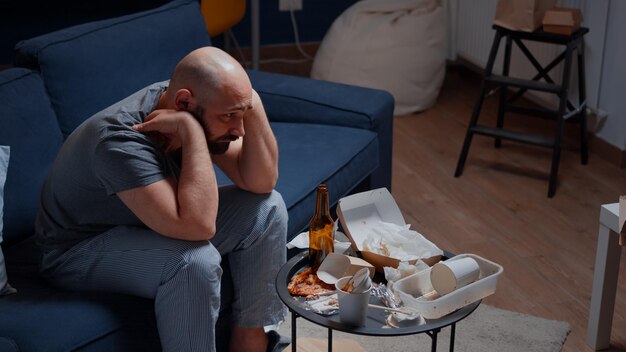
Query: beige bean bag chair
x=395, y=45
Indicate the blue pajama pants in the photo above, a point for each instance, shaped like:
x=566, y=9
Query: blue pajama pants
x=183, y=277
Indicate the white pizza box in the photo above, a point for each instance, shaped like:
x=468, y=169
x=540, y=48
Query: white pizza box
x=335, y=266
x=416, y=290
x=357, y=211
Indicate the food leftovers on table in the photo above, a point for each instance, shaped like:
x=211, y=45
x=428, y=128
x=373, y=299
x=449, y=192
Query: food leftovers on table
x=306, y=283
x=404, y=269
x=399, y=242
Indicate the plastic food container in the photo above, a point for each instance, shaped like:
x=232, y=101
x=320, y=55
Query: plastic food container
x=416, y=291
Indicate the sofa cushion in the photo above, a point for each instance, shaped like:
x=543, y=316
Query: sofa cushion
x=40, y=318
x=8, y=345
x=28, y=125
x=132, y=52
x=301, y=100
x=310, y=154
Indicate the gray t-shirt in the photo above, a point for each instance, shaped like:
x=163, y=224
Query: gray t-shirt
x=103, y=156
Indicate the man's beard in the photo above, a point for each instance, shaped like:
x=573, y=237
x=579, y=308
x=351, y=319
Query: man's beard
x=221, y=144
x=218, y=145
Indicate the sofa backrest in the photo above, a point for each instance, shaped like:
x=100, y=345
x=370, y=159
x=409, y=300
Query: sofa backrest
x=88, y=67
x=28, y=125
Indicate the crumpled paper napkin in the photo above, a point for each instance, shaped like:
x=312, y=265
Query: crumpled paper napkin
x=404, y=269
x=302, y=241
x=398, y=242
x=324, y=305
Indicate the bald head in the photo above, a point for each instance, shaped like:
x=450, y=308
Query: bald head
x=205, y=70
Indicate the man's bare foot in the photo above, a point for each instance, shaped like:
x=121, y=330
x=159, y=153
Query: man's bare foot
x=248, y=340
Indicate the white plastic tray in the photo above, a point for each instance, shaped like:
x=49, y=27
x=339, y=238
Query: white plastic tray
x=413, y=287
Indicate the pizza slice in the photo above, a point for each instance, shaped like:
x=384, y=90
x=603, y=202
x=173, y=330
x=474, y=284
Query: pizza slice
x=306, y=284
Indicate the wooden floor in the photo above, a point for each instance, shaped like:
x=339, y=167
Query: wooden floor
x=499, y=208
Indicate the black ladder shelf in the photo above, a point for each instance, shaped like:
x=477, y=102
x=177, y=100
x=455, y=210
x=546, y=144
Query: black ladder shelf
x=573, y=44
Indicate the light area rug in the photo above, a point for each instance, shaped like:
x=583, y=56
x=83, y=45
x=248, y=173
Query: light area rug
x=487, y=329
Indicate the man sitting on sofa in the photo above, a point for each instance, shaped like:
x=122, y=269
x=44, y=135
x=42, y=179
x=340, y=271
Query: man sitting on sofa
x=132, y=206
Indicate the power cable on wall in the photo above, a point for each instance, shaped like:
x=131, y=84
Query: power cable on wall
x=296, y=35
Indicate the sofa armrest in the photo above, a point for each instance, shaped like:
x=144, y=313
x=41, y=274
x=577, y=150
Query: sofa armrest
x=298, y=99
x=304, y=100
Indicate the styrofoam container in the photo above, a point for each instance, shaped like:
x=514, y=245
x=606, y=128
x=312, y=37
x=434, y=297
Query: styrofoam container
x=417, y=292
x=356, y=212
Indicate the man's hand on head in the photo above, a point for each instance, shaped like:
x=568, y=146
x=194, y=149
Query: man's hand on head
x=170, y=128
x=186, y=207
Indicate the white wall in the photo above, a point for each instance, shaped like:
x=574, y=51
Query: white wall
x=612, y=90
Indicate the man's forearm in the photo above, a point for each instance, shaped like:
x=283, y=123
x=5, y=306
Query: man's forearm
x=197, y=186
x=258, y=162
x=187, y=208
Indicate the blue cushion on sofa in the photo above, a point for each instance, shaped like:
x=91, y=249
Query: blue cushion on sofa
x=29, y=127
x=300, y=100
x=40, y=318
x=80, y=82
x=8, y=345
x=347, y=154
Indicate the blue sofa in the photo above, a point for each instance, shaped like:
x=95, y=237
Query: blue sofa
x=327, y=133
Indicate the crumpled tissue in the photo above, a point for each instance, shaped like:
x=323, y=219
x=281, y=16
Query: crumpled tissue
x=398, y=242
x=324, y=305
x=302, y=241
x=404, y=269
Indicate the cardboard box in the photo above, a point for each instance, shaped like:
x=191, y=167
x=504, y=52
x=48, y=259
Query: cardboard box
x=561, y=20
x=521, y=15
x=335, y=266
x=357, y=211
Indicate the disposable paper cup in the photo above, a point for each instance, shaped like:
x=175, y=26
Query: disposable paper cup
x=453, y=274
x=352, y=306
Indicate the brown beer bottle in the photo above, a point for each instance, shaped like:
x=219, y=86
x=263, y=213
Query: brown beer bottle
x=321, y=234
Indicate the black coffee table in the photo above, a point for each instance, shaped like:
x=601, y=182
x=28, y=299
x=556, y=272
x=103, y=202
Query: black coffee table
x=376, y=318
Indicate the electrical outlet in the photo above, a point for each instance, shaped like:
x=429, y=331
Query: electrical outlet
x=288, y=5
